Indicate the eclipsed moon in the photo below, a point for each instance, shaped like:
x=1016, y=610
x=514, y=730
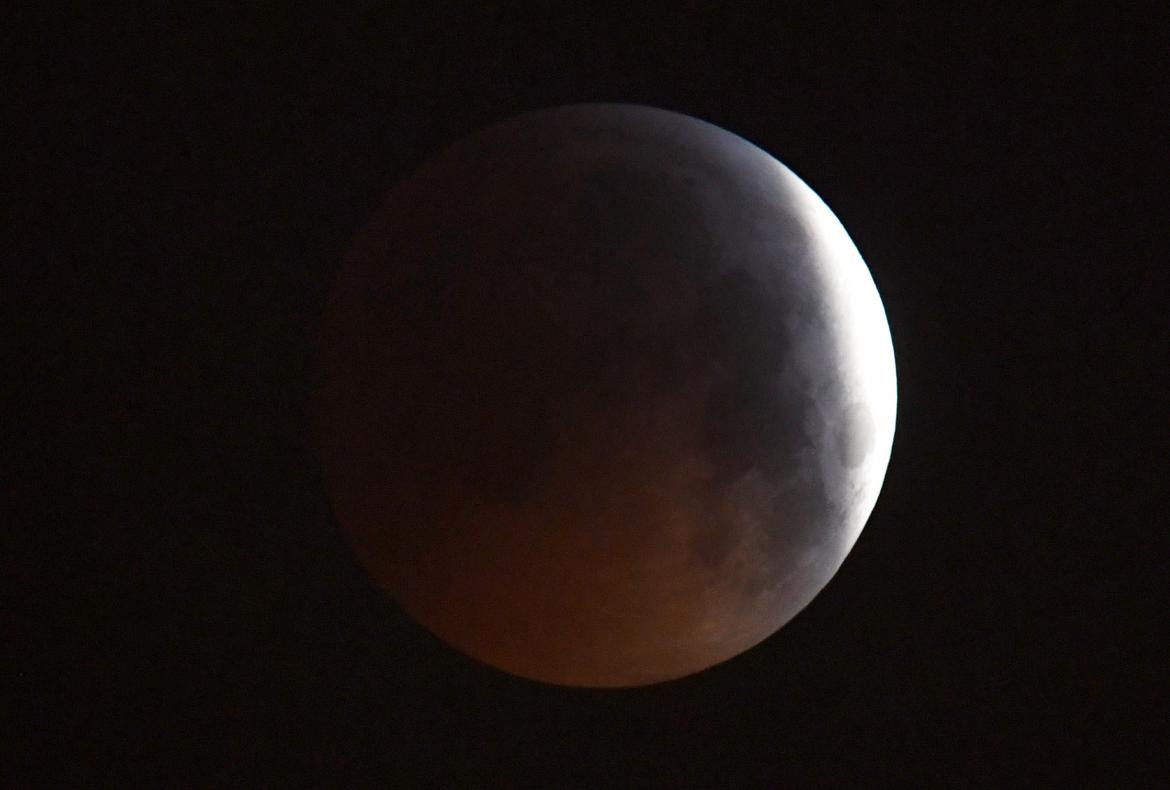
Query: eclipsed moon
x=605, y=395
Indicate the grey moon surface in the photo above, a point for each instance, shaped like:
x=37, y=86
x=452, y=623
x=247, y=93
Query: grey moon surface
x=605, y=395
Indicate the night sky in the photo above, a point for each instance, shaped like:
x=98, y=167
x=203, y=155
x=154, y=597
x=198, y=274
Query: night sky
x=180, y=609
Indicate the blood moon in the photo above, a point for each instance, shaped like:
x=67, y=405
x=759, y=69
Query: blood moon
x=605, y=395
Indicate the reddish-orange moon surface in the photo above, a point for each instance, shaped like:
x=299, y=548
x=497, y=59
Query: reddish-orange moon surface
x=605, y=395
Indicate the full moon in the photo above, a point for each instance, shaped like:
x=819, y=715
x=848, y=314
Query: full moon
x=605, y=395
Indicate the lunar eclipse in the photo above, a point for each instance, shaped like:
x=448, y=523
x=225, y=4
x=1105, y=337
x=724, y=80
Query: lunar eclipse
x=605, y=395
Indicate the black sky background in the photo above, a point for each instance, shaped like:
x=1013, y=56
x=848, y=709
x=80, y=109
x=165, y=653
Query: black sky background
x=181, y=610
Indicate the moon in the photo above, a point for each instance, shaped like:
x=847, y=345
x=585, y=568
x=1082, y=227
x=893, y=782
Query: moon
x=605, y=395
